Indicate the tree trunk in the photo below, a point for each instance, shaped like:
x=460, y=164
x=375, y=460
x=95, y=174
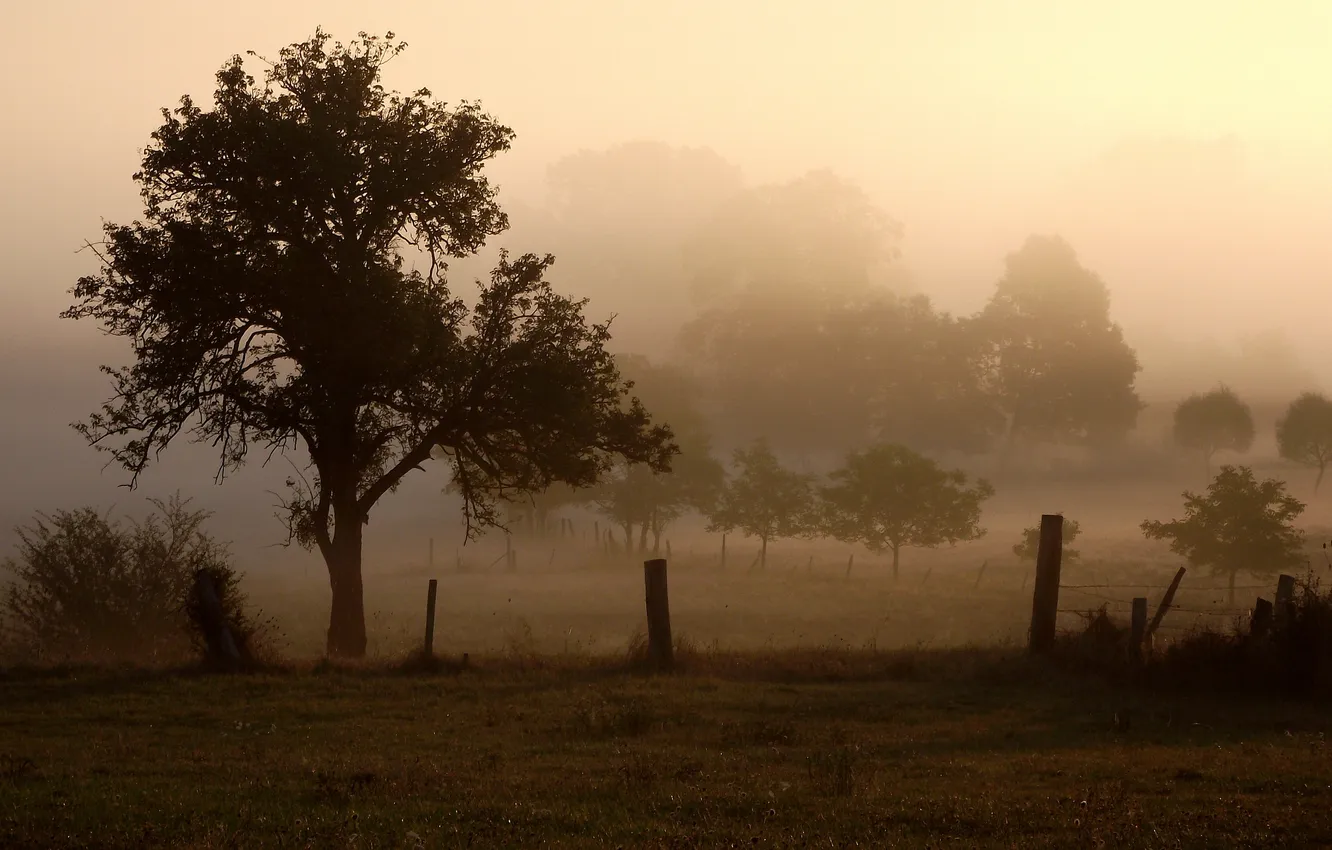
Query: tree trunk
x=763, y=554
x=642, y=538
x=346, y=623
x=897, y=551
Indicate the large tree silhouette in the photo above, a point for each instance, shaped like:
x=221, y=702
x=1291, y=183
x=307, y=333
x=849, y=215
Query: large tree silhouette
x=271, y=304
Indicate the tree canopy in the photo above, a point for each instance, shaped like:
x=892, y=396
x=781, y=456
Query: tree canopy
x=270, y=304
x=763, y=499
x=1211, y=422
x=1240, y=524
x=1030, y=545
x=1304, y=433
x=637, y=496
x=1062, y=370
x=888, y=497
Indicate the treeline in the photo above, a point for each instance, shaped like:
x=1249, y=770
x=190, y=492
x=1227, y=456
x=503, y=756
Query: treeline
x=785, y=307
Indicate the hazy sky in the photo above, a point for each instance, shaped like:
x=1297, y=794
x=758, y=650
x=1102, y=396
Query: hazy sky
x=974, y=123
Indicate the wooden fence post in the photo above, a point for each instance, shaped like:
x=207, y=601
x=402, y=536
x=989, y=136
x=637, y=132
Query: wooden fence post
x=980, y=575
x=1261, y=622
x=221, y=643
x=1137, y=628
x=1285, y=596
x=1045, y=596
x=850, y=561
x=660, y=650
x=510, y=556
x=723, y=557
x=430, y=619
x=1165, y=603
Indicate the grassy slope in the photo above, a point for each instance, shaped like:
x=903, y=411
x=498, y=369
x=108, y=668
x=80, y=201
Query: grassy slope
x=802, y=748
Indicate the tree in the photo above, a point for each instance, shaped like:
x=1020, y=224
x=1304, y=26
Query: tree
x=1030, y=546
x=889, y=497
x=636, y=496
x=622, y=215
x=764, y=499
x=779, y=274
x=1062, y=370
x=1304, y=433
x=1212, y=422
x=269, y=304
x=93, y=587
x=1240, y=524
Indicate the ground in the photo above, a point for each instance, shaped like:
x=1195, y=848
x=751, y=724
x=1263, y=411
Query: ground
x=812, y=747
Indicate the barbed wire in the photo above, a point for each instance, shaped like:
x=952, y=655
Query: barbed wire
x=1182, y=587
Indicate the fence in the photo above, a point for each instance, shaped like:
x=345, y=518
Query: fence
x=1179, y=605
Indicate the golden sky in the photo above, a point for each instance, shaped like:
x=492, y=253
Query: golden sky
x=963, y=117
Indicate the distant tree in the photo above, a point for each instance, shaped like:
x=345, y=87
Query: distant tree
x=1304, y=433
x=93, y=587
x=635, y=496
x=1031, y=542
x=269, y=304
x=888, y=497
x=1062, y=371
x=624, y=214
x=1212, y=422
x=780, y=276
x=1241, y=524
x=764, y=499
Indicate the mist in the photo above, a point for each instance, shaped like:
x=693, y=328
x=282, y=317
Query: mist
x=1183, y=153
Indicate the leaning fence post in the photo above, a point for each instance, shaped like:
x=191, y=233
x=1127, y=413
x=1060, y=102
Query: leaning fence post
x=1137, y=628
x=1261, y=622
x=430, y=619
x=1285, y=596
x=221, y=643
x=1045, y=596
x=1165, y=603
x=850, y=561
x=980, y=575
x=660, y=650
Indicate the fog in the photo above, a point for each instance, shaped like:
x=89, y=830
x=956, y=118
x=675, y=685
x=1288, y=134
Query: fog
x=1184, y=150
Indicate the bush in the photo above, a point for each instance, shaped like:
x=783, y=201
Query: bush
x=1293, y=659
x=93, y=588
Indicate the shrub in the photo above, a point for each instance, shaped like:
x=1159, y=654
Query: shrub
x=93, y=588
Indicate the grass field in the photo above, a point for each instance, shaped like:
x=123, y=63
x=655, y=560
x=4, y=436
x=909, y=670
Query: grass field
x=799, y=748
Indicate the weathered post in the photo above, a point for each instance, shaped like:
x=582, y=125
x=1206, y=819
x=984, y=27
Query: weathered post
x=1261, y=623
x=850, y=562
x=980, y=575
x=723, y=557
x=660, y=650
x=1165, y=603
x=510, y=556
x=1137, y=628
x=1045, y=596
x=430, y=619
x=1285, y=597
x=221, y=643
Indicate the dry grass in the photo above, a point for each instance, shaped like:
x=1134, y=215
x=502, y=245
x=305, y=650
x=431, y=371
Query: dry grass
x=813, y=747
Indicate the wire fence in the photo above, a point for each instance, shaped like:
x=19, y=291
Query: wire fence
x=1099, y=596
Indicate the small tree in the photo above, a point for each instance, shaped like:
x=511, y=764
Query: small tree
x=888, y=497
x=92, y=587
x=1240, y=524
x=1213, y=422
x=1304, y=433
x=764, y=500
x=1031, y=542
